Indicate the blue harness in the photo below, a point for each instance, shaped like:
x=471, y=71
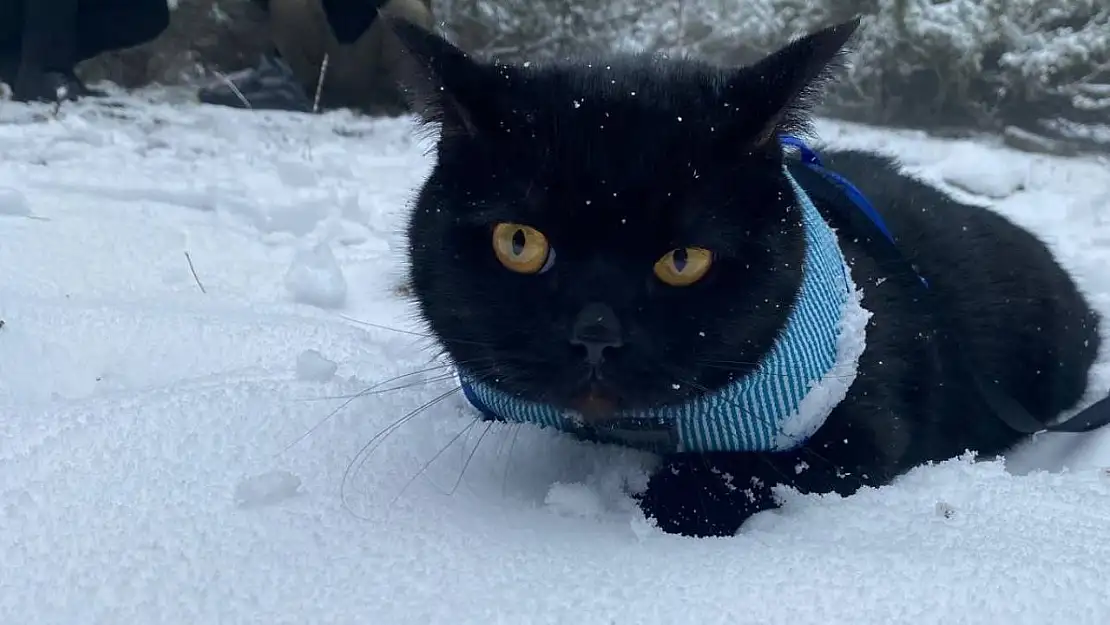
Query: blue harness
x=776, y=407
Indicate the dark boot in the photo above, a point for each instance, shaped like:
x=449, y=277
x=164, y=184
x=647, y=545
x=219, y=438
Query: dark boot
x=47, y=51
x=32, y=85
x=9, y=67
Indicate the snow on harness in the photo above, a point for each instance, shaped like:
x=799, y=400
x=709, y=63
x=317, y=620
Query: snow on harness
x=793, y=391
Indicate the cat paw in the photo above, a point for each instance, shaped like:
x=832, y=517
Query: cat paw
x=694, y=497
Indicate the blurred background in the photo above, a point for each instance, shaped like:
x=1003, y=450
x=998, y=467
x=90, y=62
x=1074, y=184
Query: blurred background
x=1036, y=72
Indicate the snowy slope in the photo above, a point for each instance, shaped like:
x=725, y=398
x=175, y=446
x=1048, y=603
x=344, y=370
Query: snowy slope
x=173, y=455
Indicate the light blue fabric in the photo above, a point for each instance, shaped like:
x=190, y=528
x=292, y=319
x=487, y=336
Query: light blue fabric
x=751, y=414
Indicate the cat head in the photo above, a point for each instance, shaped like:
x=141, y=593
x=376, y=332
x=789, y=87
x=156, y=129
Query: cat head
x=609, y=234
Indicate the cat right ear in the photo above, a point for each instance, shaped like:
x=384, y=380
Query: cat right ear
x=438, y=77
x=780, y=89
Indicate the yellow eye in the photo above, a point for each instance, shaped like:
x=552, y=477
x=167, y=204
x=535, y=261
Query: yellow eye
x=683, y=266
x=522, y=249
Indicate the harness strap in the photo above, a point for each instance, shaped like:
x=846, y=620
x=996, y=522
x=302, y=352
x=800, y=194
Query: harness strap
x=830, y=190
x=810, y=158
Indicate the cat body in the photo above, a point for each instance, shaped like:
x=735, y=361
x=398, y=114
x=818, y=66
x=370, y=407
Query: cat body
x=621, y=235
x=1020, y=321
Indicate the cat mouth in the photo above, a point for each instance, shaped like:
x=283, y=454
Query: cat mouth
x=596, y=404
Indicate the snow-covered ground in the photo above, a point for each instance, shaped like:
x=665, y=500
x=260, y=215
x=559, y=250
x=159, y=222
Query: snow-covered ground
x=186, y=454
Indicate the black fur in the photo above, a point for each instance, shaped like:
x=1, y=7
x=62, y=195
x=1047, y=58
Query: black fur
x=620, y=160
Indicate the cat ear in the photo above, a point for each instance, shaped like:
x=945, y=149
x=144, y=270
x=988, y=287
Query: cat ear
x=778, y=90
x=441, y=81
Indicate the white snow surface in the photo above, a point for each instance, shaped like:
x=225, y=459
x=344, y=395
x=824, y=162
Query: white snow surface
x=176, y=456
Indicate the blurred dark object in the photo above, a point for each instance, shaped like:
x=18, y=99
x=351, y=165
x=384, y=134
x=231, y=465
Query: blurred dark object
x=209, y=39
x=349, y=19
x=333, y=49
x=269, y=85
x=204, y=37
x=42, y=41
x=360, y=75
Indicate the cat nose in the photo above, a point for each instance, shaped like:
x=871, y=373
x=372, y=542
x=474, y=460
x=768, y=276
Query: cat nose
x=595, y=329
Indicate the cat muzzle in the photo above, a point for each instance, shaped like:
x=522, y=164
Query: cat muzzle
x=596, y=329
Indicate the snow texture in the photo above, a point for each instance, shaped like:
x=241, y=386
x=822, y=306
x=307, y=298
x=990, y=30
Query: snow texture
x=315, y=278
x=12, y=202
x=173, y=454
x=311, y=365
x=972, y=168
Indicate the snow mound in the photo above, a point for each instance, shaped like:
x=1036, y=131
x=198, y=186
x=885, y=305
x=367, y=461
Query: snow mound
x=13, y=203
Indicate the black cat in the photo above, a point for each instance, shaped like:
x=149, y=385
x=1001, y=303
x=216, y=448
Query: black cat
x=624, y=249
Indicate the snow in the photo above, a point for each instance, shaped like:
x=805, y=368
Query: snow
x=311, y=365
x=12, y=202
x=179, y=454
x=973, y=168
x=315, y=278
x=267, y=488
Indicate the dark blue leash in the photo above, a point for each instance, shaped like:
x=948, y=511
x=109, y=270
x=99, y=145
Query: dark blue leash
x=810, y=158
x=848, y=190
x=832, y=189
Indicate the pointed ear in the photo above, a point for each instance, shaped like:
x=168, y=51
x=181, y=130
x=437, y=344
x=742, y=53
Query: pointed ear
x=779, y=89
x=443, y=83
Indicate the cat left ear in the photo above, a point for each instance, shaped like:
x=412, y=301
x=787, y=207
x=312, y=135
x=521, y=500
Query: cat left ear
x=778, y=90
x=444, y=84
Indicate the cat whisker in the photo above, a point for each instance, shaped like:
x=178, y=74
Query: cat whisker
x=424, y=335
x=470, y=457
x=374, y=390
x=516, y=428
x=364, y=393
x=445, y=377
x=368, y=449
x=442, y=450
x=509, y=459
x=379, y=326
